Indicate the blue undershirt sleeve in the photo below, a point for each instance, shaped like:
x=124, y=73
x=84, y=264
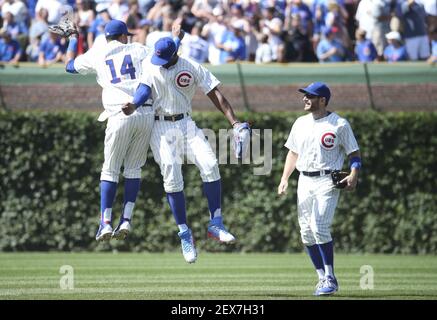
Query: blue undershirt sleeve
x=142, y=94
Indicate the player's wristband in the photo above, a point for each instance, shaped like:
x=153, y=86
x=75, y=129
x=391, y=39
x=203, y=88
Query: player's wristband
x=72, y=45
x=355, y=162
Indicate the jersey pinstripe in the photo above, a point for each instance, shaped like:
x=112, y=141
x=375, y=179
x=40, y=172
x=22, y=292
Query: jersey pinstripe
x=321, y=144
x=174, y=88
x=118, y=68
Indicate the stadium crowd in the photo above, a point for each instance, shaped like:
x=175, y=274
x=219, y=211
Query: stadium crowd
x=221, y=31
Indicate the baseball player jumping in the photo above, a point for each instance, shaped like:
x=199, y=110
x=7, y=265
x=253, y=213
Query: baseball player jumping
x=318, y=143
x=173, y=81
x=118, y=66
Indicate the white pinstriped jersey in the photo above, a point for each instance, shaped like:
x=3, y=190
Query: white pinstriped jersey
x=118, y=67
x=321, y=144
x=174, y=88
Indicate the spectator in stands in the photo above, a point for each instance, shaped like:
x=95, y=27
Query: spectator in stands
x=16, y=29
x=381, y=12
x=53, y=7
x=166, y=17
x=264, y=52
x=134, y=22
x=233, y=46
x=194, y=46
x=430, y=7
x=297, y=43
x=395, y=51
x=39, y=25
x=273, y=26
x=306, y=17
x=214, y=32
x=97, y=28
x=330, y=49
x=336, y=17
x=413, y=17
x=10, y=50
x=32, y=50
x=433, y=58
x=365, y=51
x=51, y=50
x=238, y=19
x=365, y=17
x=18, y=10
x=118, y=10
x=188, y=19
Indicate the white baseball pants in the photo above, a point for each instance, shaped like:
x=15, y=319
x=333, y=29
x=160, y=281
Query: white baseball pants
x=127, y=141
x=316, y=201
x=173, y=141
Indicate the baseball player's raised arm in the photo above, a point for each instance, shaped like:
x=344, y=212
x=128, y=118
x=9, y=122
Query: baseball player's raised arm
x=290, y=165
x=82, y=64
x=222, y=104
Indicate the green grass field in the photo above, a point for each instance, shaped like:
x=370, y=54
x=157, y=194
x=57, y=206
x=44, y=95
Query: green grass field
x=217, y=276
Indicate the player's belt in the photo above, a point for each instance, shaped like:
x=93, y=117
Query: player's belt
x=173, y=118
x=316, y=173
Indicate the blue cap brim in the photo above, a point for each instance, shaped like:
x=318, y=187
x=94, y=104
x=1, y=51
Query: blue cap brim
x=159, y=61
x=305, y=90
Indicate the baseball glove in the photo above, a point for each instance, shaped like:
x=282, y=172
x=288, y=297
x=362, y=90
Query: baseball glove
x=337, y=176
x=65, y=27
x=241, y=139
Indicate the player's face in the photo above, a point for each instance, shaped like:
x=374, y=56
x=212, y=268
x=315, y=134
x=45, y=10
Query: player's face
x=312, y=102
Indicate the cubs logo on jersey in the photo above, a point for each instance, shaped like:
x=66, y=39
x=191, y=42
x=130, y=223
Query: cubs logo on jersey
x=328, y=140
x=184, y=79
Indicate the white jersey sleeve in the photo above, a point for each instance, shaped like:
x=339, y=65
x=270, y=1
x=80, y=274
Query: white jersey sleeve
x=347, y=139
x=205, y=79
x=86, y=63
x=291, y=141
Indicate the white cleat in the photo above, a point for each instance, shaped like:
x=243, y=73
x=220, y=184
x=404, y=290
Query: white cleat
x=104, y=233
x=188, y=248
x=122, y=230
x=218, y=232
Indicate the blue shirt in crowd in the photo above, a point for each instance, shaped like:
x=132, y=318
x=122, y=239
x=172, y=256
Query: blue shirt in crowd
x=392, y=54
x=365, y=51
x=9, y=50
x=50, y=48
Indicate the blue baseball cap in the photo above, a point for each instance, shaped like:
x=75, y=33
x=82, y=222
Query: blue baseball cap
x=115, y=28
x=318, y=89
x=165, y=48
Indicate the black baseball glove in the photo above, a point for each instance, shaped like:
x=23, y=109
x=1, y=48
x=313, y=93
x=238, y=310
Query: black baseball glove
x=337, y=176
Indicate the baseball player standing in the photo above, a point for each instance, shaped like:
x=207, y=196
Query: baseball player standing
x=173, y=81
x=318, y=143
x=118, y=66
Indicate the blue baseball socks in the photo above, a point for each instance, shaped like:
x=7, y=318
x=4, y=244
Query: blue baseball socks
x=176, y=200
x=108, y=190
x=327, y=253
x=213, y=193
x=131, y=188
x=316, y=257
